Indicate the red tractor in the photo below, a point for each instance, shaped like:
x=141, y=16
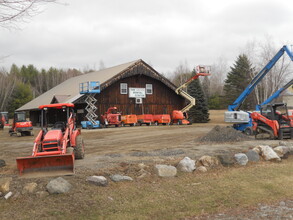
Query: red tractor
x=111, y=117
x=272, y=122
x=55, y=149
x=2, y=121
x=20, y=125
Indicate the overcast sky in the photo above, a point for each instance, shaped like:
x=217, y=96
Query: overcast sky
x=163, y=33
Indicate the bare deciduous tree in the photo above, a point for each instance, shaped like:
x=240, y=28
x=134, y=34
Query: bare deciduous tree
x=260, y=53
x=181, y=74
x=12, y=11
x=218, y=74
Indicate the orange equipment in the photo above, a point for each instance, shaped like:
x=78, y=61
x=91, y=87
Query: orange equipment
x=55, y=149
x=164, y=119
x=20, y=125
x=130, y=120
x=111, y=117
x=273, y=121
x=147, y=119
x=180, y=116
x=2, y=120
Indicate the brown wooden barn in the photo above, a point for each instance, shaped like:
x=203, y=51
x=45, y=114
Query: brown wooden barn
x=154, y=93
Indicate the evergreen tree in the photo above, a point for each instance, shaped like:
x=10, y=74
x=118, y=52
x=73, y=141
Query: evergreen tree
x=200, y=112
x=20, y=96
x=237, y=80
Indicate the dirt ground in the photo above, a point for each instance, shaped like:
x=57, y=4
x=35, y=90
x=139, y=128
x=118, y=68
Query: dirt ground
x=148, y=144
x=106, y=152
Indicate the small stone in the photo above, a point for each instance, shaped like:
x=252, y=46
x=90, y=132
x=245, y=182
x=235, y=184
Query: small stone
x=42, y=194
x=201, y=169
x=282, y=203
x=5, y=184
x=2, y=163
x=186, y=165
x=119, y=178
x=8, y=195
x=29, y=188
x=241, y=159
x=58, y=185
x=141, y=165
x=165, y=170
x=252, y=155
x=98, y=180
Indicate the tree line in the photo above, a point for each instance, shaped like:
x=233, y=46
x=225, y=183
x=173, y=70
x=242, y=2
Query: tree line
x=20, y=85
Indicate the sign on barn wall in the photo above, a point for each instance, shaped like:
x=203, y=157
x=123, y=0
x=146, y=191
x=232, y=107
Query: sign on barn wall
x=136, y=92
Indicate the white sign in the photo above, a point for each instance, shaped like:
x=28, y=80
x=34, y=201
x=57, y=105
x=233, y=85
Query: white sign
x=136, y=92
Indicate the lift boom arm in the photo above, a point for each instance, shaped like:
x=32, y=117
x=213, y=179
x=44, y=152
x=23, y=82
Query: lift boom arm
x=275, y=95
x=181, y=92
x=238, y=102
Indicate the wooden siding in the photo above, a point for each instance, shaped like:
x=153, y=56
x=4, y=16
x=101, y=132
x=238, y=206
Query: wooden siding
x=163, y=100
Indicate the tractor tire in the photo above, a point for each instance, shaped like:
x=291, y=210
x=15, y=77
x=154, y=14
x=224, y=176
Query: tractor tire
x=79, y=148
x=248, y=131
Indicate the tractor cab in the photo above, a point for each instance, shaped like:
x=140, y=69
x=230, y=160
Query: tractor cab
x=278, y=112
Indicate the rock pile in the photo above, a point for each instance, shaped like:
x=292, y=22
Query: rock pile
x=224, y=134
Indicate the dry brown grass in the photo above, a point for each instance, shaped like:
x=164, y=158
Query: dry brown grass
x=157, y=198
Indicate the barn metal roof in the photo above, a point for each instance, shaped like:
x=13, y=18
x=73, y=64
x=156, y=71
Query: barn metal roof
x=69, y=89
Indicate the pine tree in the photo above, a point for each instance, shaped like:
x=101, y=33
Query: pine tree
x=200, y=112
x=237, y=80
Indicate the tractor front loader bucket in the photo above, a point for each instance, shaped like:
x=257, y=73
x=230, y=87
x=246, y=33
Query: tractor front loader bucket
x=48, y=165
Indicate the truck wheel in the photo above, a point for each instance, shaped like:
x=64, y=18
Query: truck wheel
x=79, y=148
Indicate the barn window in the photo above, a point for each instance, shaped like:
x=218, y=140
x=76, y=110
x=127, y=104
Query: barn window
x=149, y=89
x=123, y=88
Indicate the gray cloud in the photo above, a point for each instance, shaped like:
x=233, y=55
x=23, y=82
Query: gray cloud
x=163, y=32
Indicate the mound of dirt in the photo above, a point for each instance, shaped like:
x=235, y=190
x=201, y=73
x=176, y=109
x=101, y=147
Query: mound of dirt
x=224, y=134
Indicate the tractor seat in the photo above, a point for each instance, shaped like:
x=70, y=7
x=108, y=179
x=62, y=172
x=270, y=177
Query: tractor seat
x=59, y=125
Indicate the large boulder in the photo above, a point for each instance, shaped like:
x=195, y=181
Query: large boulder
x=29, y=188
x=201, y=169
x=120, y=178
x=186, y=165
x=165, y=170
x=5, y=184
x=267, y=153
x=58, y=186
x=227, y=159
x=97, y=180
x=282, y=151
x=252, y=155
x=241, y=159
x=208, y=161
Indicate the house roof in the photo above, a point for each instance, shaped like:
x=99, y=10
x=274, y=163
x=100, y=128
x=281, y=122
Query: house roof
x=68, y=91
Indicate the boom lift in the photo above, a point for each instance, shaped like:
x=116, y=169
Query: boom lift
x=54, y=150
x=241, y=119
x=180, y=116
